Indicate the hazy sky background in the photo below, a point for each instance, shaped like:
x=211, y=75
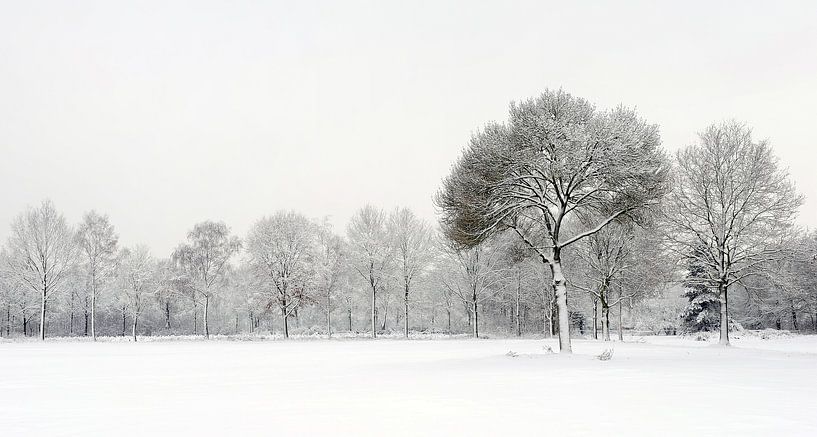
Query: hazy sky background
x=162, y=114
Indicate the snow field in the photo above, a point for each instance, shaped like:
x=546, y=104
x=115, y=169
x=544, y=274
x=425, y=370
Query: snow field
x=655, y=386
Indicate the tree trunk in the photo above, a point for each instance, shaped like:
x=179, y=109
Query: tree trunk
x=595, y=319
x=605, y=321
x=385, y=318
x=544, y=314
x=374, y=311
x=406, y=302
x=93, y=310
x=448, y=311
x=206, y=311
x=42, y=313
x=724, y=334
x=518, y=296
x=476, y=318
x=135, y=321
x=620, y=324
x=561, y=304
x=85, y=330
x=195, y=315
x=284, y=317
x=123, y=320
x=328, y=313
x=71, y=315
x=793, y=319
x=350, y=318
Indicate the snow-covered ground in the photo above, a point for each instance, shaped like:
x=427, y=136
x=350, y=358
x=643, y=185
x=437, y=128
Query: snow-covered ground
x=658, y=386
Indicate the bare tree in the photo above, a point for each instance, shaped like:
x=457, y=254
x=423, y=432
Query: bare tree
x=731, y=207
x=474, y=275
x=41, y=253
x=556, y=159
x=413, y=241
x=331, y=272
x=137, y=275
x=97, y=242
x=205, y=260
x=371, y=252
x=618, y=264
x=171, y=285
x=282, y=250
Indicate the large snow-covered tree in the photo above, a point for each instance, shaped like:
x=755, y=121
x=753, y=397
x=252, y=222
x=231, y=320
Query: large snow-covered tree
x=205, y=258
x=372, y=254
x=556, y=159
x=282, y=250
x=413, y=242
x=97, y=242
x=731, y=208
x=41, y=253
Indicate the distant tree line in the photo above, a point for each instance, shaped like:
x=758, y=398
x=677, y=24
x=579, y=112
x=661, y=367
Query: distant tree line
x=565, y=219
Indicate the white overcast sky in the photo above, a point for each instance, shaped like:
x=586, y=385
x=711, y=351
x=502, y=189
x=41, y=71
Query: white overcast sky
x=162, y=114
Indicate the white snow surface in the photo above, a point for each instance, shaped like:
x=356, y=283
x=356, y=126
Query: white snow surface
x=655, y=386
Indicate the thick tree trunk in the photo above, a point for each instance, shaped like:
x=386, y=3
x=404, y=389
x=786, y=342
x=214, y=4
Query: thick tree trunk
x=605, y=321
x=724, y=332
x=560, y=289
x=793, y=319
x=350, y=318
x=167, y=314
x=133, y=328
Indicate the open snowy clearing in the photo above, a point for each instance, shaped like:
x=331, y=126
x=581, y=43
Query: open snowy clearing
x=664, y=386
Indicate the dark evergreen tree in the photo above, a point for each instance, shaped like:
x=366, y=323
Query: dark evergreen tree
x=702, y=310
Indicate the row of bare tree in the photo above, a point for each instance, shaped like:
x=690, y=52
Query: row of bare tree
x=563, y=196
